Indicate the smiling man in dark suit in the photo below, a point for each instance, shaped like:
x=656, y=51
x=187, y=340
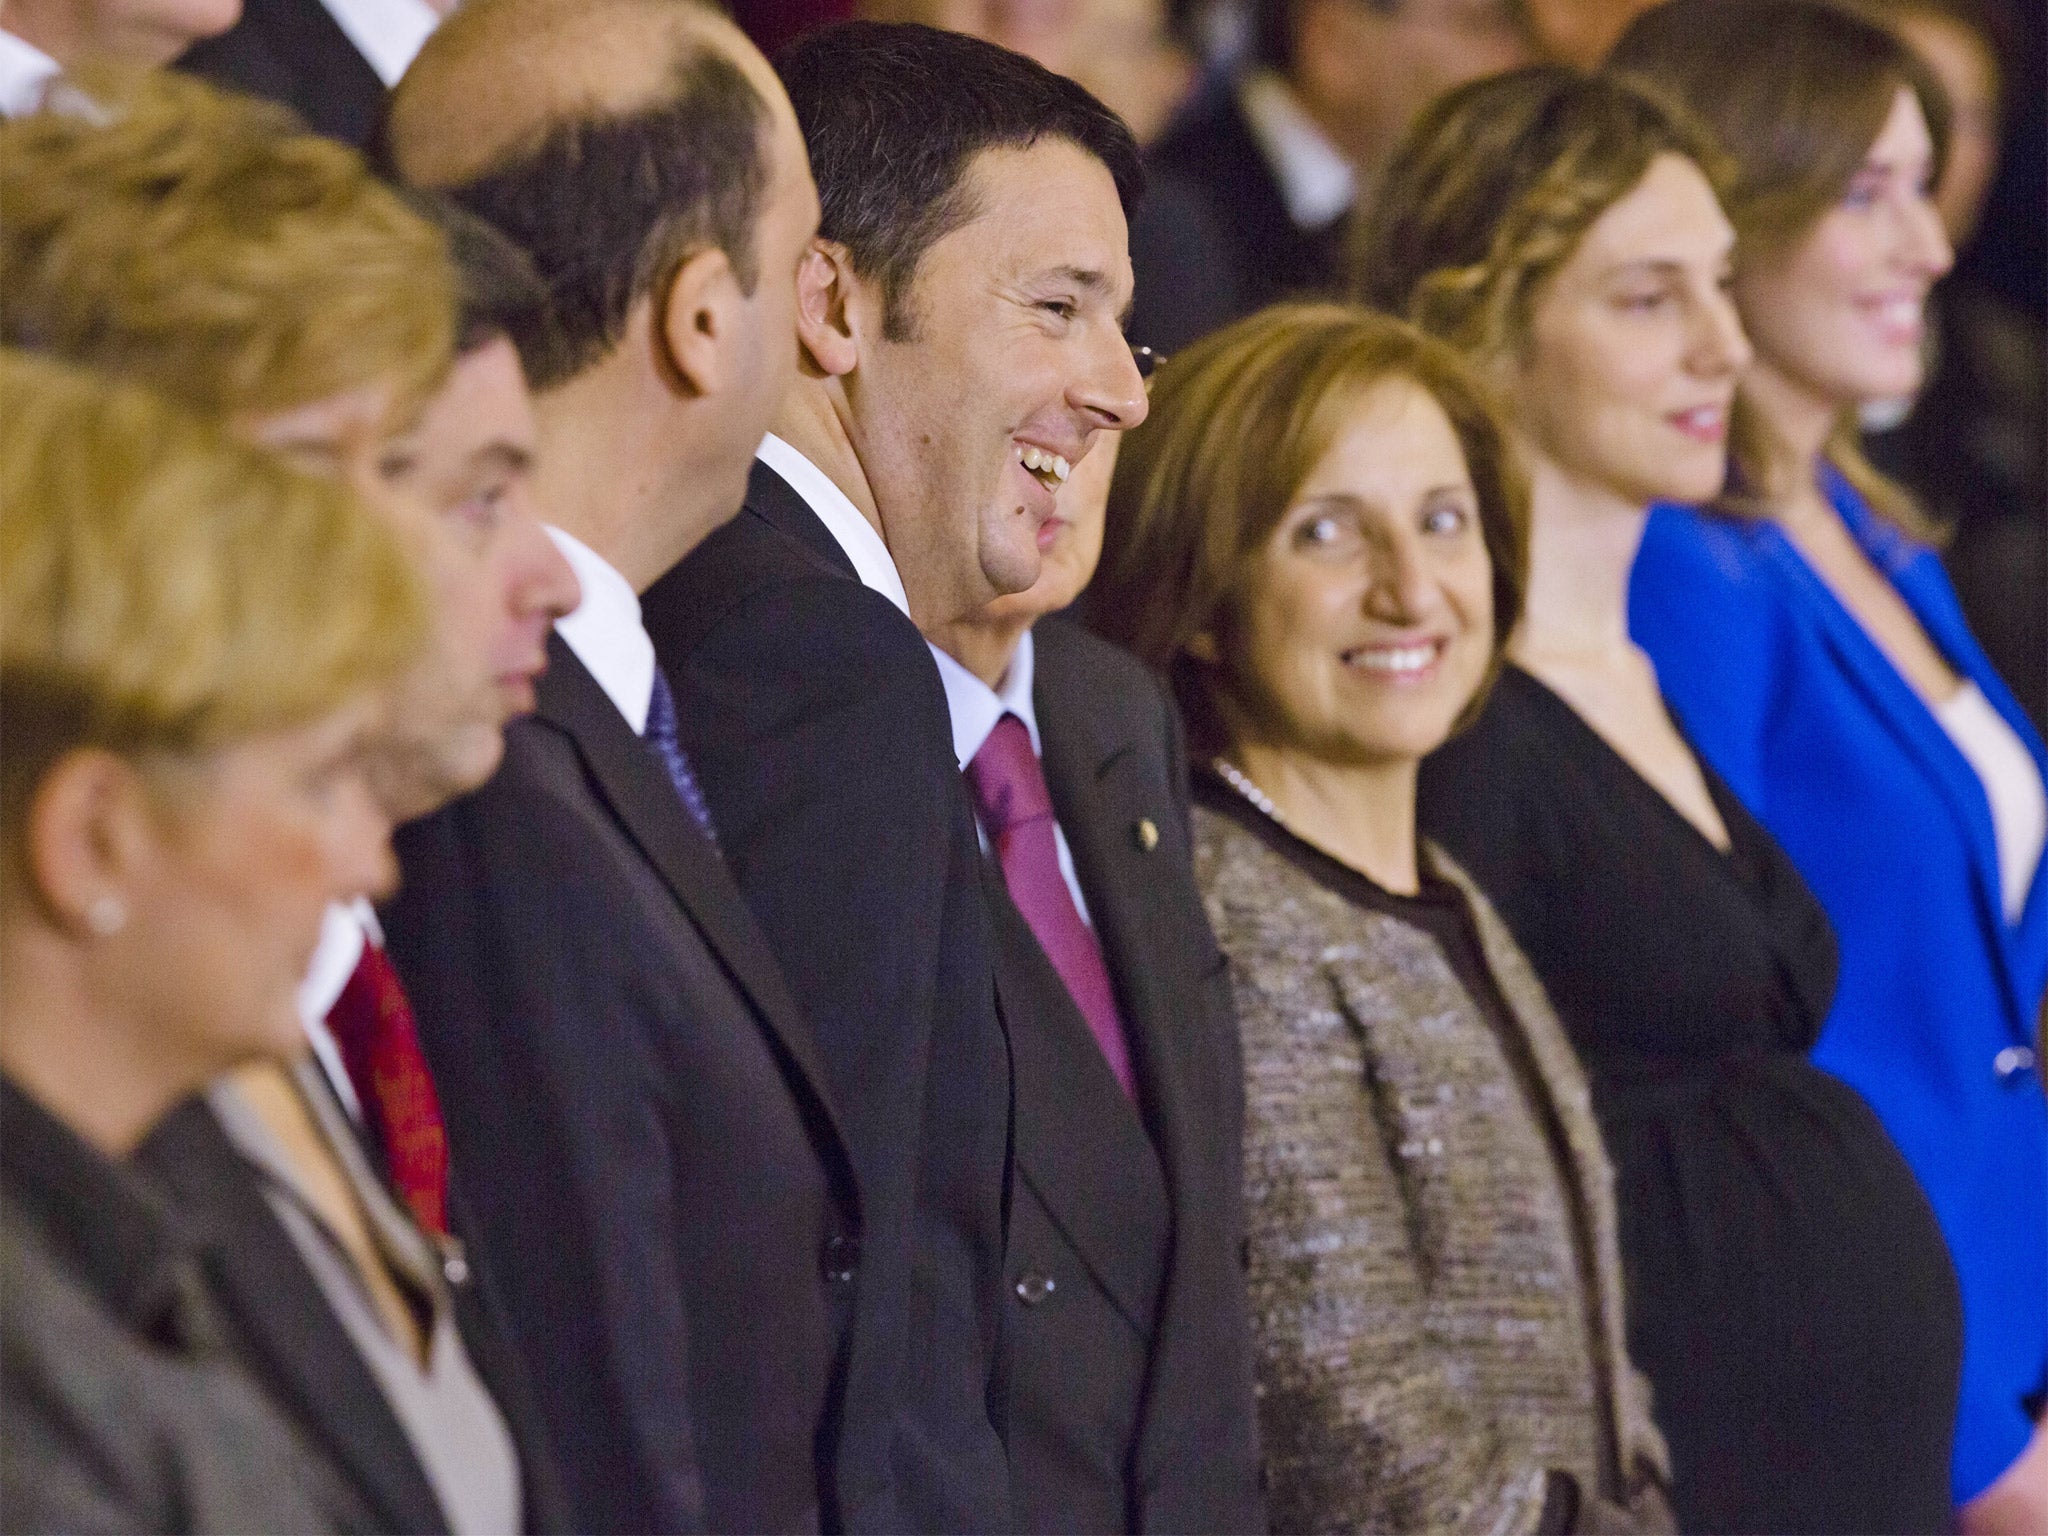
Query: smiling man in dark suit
x=635, y=1114
x=958, y=319
x=1131, y=1383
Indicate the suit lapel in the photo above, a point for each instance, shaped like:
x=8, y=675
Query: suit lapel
x=1097, y=777
x=644, y=802
x=300, y=1348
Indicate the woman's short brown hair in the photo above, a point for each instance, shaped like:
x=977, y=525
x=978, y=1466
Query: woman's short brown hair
x=1796, y=91
x=1238, y=423
x=166, y=590
x=208, y=245
x=1495, y=186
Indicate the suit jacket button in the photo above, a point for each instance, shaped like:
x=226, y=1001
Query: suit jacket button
x=1032, y=1287
x=840, y=1259
x=1147, y=833
x=2011, y=1062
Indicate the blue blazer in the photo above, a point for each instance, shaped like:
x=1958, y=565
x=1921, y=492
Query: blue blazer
x=1935, y=1016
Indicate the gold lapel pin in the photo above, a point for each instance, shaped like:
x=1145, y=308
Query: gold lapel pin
x=1146, y=833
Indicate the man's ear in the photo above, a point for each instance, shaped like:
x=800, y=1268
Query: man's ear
x=825, y=324
x=699, y=321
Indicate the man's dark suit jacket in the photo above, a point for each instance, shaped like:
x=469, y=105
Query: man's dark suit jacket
x=1131, y=1389
x=815, y=718
x=292, y=51
x=636, y=1124
x=1213, y=240
x=290, y=1340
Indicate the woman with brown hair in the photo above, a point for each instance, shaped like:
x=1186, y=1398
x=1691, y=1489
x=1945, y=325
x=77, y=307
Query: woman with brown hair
x=1788, y=1293
x=1318, y=537
x=1816, y=652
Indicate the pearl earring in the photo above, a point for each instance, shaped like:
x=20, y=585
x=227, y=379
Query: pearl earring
x=106, y=915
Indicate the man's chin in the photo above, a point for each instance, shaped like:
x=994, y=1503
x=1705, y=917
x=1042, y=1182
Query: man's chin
x=417, y=783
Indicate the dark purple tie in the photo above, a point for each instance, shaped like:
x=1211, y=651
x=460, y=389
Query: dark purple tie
x=1016, y=810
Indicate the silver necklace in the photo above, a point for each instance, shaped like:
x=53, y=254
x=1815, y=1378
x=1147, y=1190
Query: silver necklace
x=1244, y=786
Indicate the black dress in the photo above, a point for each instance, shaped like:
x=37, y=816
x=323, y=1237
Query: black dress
x=1789, y=1293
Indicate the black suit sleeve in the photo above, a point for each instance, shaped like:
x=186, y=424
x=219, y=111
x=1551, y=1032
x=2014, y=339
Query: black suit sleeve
x=525, y=1029
x=815, y=718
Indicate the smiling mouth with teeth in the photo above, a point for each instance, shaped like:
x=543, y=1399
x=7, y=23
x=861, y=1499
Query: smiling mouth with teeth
x=1050, y=469
x=1395, y=660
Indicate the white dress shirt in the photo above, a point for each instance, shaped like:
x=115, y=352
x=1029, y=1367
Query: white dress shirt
x=25, y=74
x=387, y=33
x=853, y=533
x=975, y=708
x=345, y=928
x=606, y=633
x=1316, y=182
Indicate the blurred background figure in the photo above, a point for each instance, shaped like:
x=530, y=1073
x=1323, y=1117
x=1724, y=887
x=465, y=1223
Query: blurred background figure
x=1816, y=654
x=1973, y=444
x=1121, y=50
x=41, y=39
x=1320, y=539
x=1563, y=231
x=1252, y=186
x=331, y=61
x=191, y=643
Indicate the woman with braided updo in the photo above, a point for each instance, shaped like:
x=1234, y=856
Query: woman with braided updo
x=1789, y=1294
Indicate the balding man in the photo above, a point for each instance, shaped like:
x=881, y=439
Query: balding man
x=634, y=1108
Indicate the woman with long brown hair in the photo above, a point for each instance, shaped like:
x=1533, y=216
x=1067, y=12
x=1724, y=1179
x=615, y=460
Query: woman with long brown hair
x=1814, y=649
x=1565, y=232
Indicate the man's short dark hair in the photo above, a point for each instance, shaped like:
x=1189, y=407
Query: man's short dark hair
x=893, y=114
x=497, y=292
x=607, y=208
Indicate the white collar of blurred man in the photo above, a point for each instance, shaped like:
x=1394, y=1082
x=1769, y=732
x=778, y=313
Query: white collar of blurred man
x=25, y=74
x=1316, y=182
x=387, y=33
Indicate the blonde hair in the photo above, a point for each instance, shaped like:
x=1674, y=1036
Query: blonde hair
x=1238, y=423
x=208, y=245
x=1492, y=190
x=1796, y=91
x=166, y=590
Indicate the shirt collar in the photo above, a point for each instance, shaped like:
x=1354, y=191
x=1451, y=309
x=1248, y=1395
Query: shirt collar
x=1317, y=183
x=387, y=33
x=975, y=707
x=103, y=1220
x=345, y=928
x=25, y=74
x=605, y=631
x=853, y=533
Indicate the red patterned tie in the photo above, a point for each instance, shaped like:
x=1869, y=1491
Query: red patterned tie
x=380, y=1045
x=1016, y=808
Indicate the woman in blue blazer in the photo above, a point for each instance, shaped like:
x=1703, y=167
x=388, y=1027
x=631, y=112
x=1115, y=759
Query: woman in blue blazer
x=1815, y=652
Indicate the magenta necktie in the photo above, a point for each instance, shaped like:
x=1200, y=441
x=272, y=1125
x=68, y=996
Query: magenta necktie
x=1016, y=809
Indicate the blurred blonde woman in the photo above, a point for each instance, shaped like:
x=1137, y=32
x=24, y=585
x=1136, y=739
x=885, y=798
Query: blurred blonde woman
x=191, y=642
x=1564, y=231
x=1319, y=538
